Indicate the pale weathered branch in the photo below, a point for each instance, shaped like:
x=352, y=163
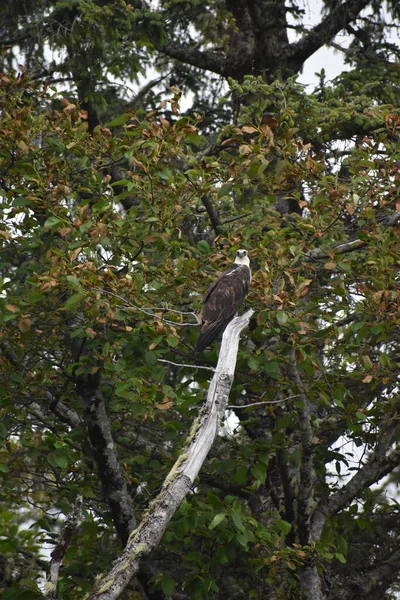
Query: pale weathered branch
x=317, y=253
x=264, y=402
x=169, y=362
x=71, y=525
x=349, y=246
x=183, y=474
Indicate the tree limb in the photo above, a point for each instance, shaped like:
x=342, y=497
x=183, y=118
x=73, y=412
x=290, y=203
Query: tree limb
x=338, y=18
x=350, y=245
x=377, y=466
x=212, y=213
x=341, y=248
x=71, y=524
x=65, y=413
x=183, y=474
x=209, y=61
x=105, y=455
x=307, y=475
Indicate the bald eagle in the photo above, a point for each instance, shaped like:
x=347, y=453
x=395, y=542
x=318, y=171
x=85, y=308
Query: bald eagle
x=223, y=298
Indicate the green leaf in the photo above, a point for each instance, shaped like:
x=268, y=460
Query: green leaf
x=241, y=475
x=341, y=544
x=217, y=520
x=168, y=585
x=74, y=281
x=172, y=341
x=237, y=521
x=224, y=190
x=17, y=592
x=253, y=363
x=53, y=222
x=284, y=526
x=120, y=120
x=282, y=317
x=259, y=472
x=203, y=247
x=340, y=557
x=73, y=301
x=195, y=139
x=271, y=367
x=361, y=416
x=61, y=460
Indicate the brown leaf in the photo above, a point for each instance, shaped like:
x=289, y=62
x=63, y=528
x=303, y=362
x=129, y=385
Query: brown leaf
x=24, y=147
x=24, y=325
x=267, y=130
x=75, y=253
x=165, y=122
x=229, y=141
x=165, y=404
x=64, y=231
x=244, y=149
x=12, y=308
x=249, y=129
x=70, y=108
x=330, y=265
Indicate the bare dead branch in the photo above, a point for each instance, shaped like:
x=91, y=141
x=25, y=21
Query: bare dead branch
x=183, y=474
x=65, y=413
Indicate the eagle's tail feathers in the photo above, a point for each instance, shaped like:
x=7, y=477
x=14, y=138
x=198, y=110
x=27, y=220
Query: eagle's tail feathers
x=209, y=333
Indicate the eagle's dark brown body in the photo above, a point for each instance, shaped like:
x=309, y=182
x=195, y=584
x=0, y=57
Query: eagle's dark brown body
x=223, y=299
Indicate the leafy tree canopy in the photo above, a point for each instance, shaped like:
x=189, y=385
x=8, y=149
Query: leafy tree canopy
x=116, y=215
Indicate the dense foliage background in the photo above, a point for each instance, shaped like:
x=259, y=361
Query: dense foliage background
x=118, y=210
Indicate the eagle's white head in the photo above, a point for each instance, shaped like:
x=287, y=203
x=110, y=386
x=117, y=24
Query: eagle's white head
x=242, y=258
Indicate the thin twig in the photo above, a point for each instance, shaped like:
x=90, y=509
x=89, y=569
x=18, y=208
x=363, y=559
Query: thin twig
x=185, y=365
x=263, y=402
x=147, y=310
x=236, y=218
